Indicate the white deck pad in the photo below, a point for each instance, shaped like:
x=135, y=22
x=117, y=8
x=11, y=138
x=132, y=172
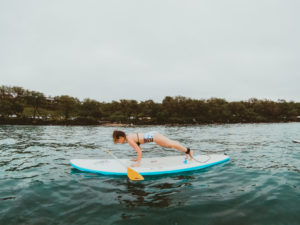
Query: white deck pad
x=149, y=166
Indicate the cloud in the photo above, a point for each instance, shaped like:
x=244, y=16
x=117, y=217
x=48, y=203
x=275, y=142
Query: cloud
x=109, y=50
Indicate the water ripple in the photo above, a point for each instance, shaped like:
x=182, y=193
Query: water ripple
x=260, y=184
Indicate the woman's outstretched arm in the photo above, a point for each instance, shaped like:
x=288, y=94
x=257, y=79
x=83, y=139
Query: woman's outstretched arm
x=138, y=151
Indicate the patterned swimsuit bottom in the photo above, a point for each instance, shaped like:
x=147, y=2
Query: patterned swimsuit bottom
x=148, y=137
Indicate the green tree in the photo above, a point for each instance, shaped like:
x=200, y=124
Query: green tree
x=218, y=110
x=36, y=100
x=67, y=105
x=130, y=109
x=90, y=108
x=5, y=108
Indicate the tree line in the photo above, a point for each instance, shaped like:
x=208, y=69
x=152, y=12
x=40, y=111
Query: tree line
x=21, y=106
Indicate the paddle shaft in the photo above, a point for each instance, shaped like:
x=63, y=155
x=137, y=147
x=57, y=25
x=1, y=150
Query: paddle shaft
x=115, y=157
x=132, y=174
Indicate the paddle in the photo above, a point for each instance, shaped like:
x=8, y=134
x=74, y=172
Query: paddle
x=132, y=174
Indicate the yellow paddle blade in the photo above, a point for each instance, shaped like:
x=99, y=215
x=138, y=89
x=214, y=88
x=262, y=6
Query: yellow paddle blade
x=133, y=175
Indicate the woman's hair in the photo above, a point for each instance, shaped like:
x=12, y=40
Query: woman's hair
x=117, y=134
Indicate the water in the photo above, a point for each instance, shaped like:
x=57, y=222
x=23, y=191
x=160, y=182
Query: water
x=260, y=185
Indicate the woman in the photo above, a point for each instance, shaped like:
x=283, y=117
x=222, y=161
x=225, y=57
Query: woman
x=135, y=140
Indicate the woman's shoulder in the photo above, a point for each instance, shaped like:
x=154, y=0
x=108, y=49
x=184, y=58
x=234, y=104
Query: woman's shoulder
x=134, y=135
x=131, y=135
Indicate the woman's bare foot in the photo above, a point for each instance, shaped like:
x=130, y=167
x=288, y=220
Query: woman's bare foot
x=190, y=153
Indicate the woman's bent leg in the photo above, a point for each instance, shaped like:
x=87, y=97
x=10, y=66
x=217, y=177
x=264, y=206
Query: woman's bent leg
x=167, y=143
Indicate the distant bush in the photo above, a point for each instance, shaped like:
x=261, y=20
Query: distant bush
x=20, y=106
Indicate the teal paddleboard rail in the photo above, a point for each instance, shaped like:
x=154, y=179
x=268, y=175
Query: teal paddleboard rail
x=153, y=173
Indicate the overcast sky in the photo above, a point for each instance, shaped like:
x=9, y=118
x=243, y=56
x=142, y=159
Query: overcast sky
x=135, y=49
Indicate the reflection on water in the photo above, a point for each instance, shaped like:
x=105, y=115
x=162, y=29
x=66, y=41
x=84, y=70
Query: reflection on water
x=260, y=185
x=156, y=191
x=151, y=194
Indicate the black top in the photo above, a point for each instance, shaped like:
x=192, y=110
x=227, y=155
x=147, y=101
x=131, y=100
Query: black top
x=138, y=142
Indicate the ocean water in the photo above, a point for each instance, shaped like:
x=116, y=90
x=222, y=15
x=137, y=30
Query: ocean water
x=259, y=185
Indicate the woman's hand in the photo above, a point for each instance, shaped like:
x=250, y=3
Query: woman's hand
x=133, y=160
x=136, y=164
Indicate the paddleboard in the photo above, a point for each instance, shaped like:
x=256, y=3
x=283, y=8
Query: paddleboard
x=296, y=141
x=149, y=166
